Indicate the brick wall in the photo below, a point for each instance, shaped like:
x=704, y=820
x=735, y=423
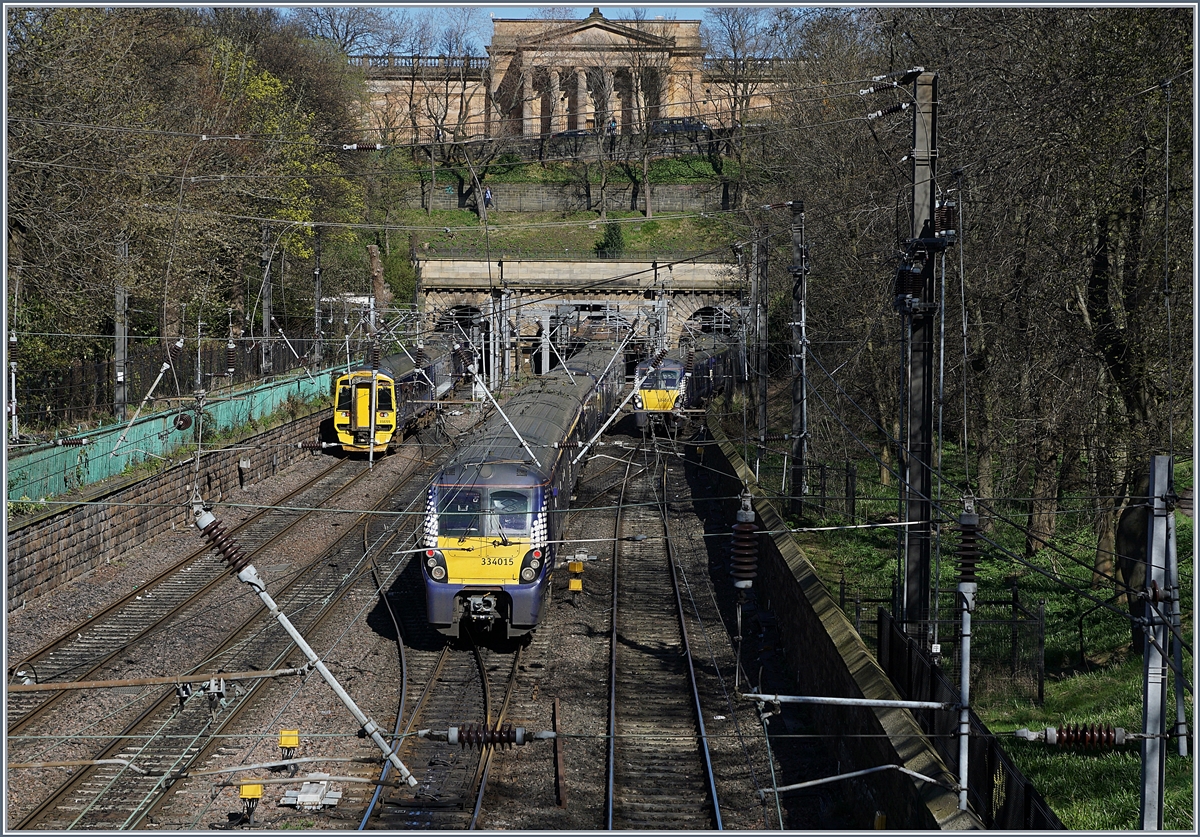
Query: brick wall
x=53, y=550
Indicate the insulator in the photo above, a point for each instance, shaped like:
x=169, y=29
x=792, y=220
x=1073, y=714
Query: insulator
x=908, y=280
x=691, y=360
x=744, y=552
x=968, y=547
x=421, y=358
x=224, y=543
x=479, y=735
x=311, y=445
x=71, y=443
x=1088, y=736
x=230, y=358
x=944, y=218
x=175, y=349
x=375, y=355
x=362, y=146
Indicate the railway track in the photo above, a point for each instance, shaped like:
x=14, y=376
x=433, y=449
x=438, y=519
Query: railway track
x=128, y=782
x=452, y=776
x=660, y=773
x=83, y=652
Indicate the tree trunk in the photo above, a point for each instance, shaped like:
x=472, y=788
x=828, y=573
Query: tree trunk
x=1044, y=494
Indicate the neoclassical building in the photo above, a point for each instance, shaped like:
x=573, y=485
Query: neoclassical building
x=541, y=77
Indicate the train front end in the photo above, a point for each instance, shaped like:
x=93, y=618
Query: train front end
x=364, y=412
x=487, y=559
x=661, y=394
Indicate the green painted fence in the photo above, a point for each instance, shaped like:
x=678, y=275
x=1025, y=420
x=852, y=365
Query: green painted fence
x=51, y=469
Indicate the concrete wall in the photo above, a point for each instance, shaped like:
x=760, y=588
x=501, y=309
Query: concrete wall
x=57, y=548
x=830, y=659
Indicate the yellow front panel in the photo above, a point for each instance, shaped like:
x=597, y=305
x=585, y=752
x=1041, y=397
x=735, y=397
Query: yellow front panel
x=659, y=400
x=484, y=563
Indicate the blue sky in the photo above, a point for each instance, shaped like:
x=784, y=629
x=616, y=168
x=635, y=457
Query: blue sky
x=679, y=11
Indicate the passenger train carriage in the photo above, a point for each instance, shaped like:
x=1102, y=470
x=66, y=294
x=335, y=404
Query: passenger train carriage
x=682, y=379
x=375, y=404
x=494, y=514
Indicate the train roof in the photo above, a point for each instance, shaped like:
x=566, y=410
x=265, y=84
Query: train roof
x=543, y=413
x=401, y=363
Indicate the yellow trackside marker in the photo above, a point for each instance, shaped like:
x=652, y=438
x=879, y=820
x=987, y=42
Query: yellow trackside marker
x=575, y=566
x=251, y=792
x=575, y=585
x=289, y=738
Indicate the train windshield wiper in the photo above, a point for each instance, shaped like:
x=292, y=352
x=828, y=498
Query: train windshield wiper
x=467, y=529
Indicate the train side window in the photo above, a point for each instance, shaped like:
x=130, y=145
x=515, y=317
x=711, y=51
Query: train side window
x=343, y=398
x=384, y=398
x=509, y=512
x=458, y=512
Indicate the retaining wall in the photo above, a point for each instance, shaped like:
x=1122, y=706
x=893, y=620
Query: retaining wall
x=545, y=197
x=831, y=660
x=54, y=549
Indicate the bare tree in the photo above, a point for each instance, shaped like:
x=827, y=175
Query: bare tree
x=355, y=30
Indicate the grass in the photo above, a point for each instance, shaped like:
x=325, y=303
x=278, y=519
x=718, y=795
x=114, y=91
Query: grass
x=555, y=234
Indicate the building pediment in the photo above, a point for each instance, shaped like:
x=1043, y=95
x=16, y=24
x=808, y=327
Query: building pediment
x=594, y=31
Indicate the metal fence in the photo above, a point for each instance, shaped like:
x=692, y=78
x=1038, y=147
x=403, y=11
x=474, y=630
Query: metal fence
x=1008, y=637
x=997, y=791
x=86, y=390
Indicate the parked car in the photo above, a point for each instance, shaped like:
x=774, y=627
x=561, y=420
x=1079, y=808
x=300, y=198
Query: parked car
x=574, y=132
x=679, y=125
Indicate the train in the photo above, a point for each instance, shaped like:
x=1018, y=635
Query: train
x=681, y=379
x=375, y=403
x=495, y=511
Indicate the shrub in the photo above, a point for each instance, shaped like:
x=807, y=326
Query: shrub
x=613, y=242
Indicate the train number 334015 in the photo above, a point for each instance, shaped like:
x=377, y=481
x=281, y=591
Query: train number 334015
x=496, y=562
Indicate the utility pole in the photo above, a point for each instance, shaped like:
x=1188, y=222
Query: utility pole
x=265, y=263
x=1160, y=560
x=760, y=327
x=317, y=302
x=916, y=303
x=799, y=271
x=121, y=337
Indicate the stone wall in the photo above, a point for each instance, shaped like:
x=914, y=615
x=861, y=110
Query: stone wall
x=52, y=550
x=830, y=659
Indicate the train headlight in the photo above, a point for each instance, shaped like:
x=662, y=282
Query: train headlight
x=531, y=565
x=637, y=401
x=435, y=564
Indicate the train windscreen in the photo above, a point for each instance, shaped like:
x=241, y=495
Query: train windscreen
x=458, y=512
x=509, y=512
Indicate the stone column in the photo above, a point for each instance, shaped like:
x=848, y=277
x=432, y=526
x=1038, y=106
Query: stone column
x=527, y=127
x=581, y=99
x=610, y=106
x=558, y=110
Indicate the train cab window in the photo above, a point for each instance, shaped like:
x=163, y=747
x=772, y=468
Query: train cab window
x=343, y=398
x=458, y=512
x=669, y=379
x=384, y=397
x=509, y=512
